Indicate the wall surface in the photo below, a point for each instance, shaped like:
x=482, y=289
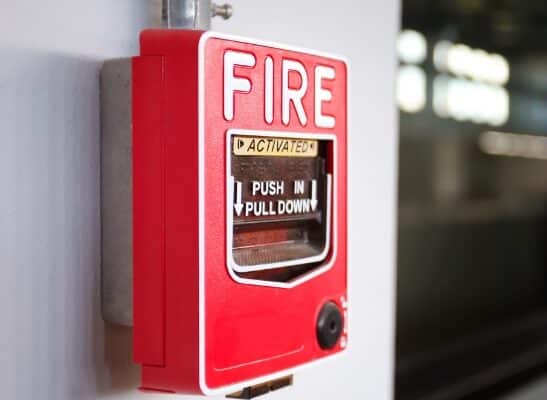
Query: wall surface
x=53, y=342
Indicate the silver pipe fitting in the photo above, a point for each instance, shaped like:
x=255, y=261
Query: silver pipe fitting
x=224, y=11
x=192, y=14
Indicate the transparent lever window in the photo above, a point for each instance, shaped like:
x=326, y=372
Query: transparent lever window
x=281, y=206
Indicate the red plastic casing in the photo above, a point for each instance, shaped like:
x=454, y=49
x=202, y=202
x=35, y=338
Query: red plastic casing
x=197, y=330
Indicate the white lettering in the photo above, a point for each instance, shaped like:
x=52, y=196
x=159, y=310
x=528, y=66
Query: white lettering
x=233, y=84
x=268, y=188
x=272, y=210
x=293, y=95
x=293, y=206
x=248, y=208
x=281, y=207
x=268, y=90
x=260, y=208
x=299, y=187
x=256, y=187
x=323, y=95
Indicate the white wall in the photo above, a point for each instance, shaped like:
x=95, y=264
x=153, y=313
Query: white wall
x=53, y=343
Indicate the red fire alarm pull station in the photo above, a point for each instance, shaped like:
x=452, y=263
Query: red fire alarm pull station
x=239, y=210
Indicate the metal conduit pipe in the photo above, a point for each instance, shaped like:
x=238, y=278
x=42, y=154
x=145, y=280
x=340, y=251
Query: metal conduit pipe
x=192, y=14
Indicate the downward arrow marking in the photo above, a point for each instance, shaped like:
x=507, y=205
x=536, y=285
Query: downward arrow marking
x=238, y=206
x=314, y=201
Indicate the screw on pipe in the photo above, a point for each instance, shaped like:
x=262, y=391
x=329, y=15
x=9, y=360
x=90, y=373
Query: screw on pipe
x=224, y=11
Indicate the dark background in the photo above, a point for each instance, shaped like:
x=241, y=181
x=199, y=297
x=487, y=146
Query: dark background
x=472, y=254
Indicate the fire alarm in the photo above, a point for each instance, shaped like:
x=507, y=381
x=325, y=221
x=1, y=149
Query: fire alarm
x=238, y=193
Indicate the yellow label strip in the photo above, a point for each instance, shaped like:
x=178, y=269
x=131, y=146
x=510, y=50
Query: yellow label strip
x=274, y=146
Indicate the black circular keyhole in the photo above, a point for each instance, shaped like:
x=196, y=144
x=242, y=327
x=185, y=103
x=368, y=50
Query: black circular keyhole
x=329, y=326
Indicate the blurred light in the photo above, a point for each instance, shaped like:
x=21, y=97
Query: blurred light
x=411, y=47
x=411, y=88
x=440, y=55
x=465, y=100
x=499, y=69
x=461, y=60
x=513, y=145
